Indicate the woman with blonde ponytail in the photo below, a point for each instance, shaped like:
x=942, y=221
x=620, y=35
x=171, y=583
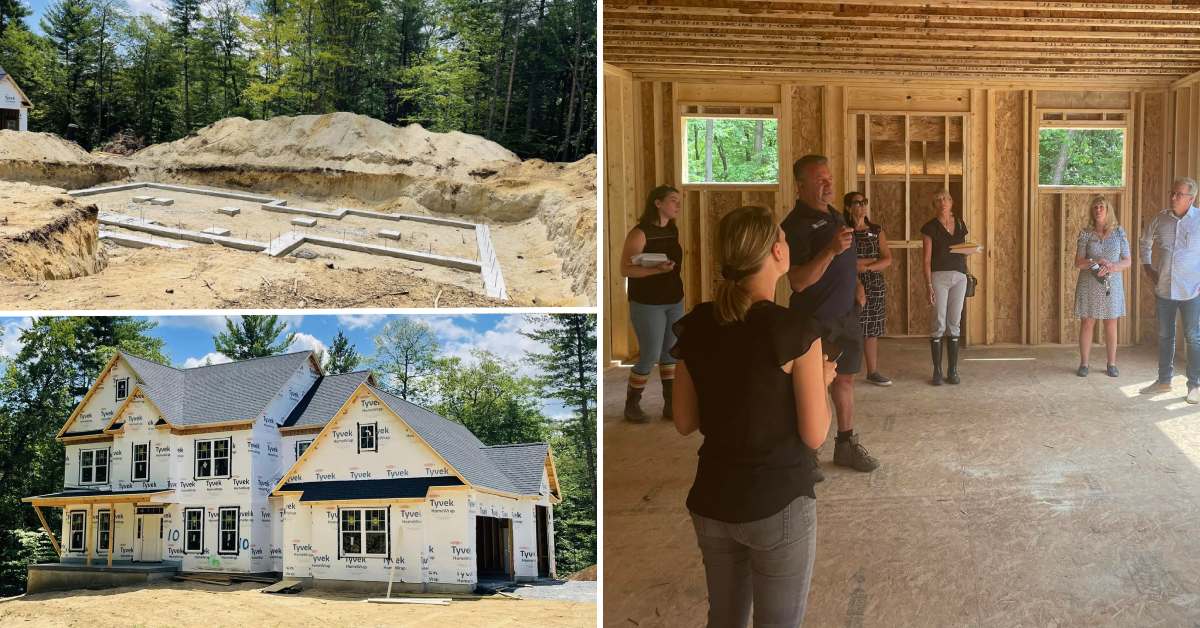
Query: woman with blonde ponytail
x=751, y=377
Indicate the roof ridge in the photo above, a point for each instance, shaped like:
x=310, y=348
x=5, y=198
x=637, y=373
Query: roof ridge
x=126, y=354
x=532, y=444
x=395, y=396
x=264, y=357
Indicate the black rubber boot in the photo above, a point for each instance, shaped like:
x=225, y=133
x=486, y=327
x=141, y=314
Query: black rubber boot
x=952, y=360
x=668, y=386
x=935, y=351
x=633, y=408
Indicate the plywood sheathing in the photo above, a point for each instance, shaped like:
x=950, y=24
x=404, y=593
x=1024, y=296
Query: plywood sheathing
x=1152, y=179
x=1007, y=186
x=967, y=522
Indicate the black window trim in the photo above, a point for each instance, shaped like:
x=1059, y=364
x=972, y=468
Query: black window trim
x=99, y=528
x=107, y=465
x=196, y=459
x=299, y=453
x=237, y=530
x=71, y=531
x=185, y=531
x=374, y=436
x=133, y=463
x=117, y=388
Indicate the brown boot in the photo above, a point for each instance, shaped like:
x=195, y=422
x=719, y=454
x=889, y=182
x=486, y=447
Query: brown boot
x=633, y=408
x=668, y=387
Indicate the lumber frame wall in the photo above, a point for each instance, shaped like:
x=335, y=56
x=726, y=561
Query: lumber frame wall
x=1026, y=289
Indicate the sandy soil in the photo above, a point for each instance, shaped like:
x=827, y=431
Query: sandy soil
x=25, y=207
x=241, y=605
x=26, y=146
x=210, y=277
x=45, y=234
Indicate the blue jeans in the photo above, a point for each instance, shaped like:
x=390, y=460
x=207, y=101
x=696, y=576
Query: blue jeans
x=765, y=564
x=1166, y=338
x=652, y=324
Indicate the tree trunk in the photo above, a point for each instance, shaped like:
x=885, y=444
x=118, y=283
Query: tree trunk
x=512, y=69
x=1064, y=153
x=724, y=162
x=758, y=140
x=708, y=152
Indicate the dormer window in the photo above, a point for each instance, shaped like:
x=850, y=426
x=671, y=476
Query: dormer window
x=366, y=437
x=122, y=388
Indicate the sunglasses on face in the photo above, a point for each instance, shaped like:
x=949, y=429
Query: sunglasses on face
x=859, y=202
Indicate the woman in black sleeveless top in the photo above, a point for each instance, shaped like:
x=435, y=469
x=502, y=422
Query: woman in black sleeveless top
x=752, y=379
x=655, y=296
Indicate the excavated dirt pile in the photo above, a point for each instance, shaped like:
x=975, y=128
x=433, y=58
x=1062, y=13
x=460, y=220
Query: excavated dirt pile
x=45, y=234
x=48, y=159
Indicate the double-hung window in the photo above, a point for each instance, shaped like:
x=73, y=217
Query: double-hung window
x=122, y=388
x=228, y=522
x=78, y=530
x=93, y=466
x=364, y=531
x=193, y=529
x=366, y=437
x=141, y=461
x=212, y=458
x=103, y=530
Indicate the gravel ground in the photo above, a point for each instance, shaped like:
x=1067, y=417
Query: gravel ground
x=560, y=590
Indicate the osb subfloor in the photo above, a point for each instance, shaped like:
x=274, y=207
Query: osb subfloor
x=1025, y=496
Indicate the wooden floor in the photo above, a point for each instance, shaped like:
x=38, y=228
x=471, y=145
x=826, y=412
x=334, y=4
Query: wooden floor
x=1023, y=497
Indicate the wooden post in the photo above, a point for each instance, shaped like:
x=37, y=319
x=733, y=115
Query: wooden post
x=112, y=530
x=87, y=536
x=46, y=527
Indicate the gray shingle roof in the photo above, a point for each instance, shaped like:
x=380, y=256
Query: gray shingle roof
x=522, y=463
x=455, y=443
x=235, y=391
x=324, y=399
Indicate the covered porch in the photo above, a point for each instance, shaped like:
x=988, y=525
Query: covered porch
x=110, y=538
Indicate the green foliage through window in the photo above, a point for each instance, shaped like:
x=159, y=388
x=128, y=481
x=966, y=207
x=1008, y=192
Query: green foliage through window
x=731, y=150
x=1081, y=157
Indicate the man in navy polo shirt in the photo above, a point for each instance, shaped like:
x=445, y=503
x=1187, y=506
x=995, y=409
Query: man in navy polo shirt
x=824, y=280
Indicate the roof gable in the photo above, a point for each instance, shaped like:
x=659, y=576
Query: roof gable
x=325, y=398
x=99, y=404
x=525, y=464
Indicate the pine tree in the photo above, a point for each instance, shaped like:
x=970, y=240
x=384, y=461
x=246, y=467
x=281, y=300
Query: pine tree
x=253, y=337
x=341, y=357
x=11, y=14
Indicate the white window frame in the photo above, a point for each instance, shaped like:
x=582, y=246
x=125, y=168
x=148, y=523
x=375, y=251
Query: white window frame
x=212, y=458
x=117, y=386
x=71, y=531
x=133, y=462
x=221, y=530
x=101, y=529
x=187, y=546
x=374, y=437
x=94, y=466
x=302, y=446
x=362, y=531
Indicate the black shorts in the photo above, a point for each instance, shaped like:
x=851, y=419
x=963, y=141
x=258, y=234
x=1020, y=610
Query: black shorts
x=847, y=334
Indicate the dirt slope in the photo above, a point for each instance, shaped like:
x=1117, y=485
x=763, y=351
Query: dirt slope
x=45, y=234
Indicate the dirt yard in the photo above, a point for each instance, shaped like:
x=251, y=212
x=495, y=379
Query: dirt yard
x=179, y=604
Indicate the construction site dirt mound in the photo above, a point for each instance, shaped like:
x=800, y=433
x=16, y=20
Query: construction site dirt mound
x=587, y=574
x=48, y=159
x=46, y=234
x=339, y=141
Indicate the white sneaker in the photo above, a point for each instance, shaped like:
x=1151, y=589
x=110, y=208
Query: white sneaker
x=1193, y=395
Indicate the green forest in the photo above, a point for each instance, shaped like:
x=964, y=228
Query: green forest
x=60, y=358
x=519, y=72
x=731, y=150
x=1083, y=157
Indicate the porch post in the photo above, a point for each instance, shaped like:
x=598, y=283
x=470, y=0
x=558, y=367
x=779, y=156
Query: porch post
x=87, y=535
x=46, y=527
x=112, y=531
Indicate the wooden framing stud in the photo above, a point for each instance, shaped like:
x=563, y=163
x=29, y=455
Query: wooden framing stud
x=49, y=532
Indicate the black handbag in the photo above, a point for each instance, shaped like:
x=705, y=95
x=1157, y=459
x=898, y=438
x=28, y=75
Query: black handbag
x=971, y=283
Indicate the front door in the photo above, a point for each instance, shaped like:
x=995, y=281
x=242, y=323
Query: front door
x=147, y=540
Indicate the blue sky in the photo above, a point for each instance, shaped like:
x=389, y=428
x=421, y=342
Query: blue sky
x=38, y=7
x=189, y=339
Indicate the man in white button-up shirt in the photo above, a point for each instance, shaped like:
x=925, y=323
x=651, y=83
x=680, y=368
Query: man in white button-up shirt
x=1176, y=234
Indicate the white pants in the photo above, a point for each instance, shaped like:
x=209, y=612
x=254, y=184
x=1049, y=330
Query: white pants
x=949, y=290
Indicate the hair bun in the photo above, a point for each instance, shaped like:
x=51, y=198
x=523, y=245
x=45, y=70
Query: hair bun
x=733, y=274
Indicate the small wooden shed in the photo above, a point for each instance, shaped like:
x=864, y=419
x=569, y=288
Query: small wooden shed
x=906, y=98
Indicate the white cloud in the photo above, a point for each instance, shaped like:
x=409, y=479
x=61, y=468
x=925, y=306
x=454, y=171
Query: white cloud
x=304, y=342
x=447, y=328
x=360, y=321
x=153, y=8
x=10, y=342
x=504, y=340
x=211, y=357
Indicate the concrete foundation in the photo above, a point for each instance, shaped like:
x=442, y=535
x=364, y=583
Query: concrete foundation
x=229, y=211
x=216, y=231
x=304, y=222
x=1024, y=496
x=68, y=576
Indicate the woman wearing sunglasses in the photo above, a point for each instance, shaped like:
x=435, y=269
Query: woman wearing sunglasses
x=871, y=245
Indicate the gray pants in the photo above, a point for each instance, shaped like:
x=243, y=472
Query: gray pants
x=767, y=563
x=949, y=290
x=652, y=324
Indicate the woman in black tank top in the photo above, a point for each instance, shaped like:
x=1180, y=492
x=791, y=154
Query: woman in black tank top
x=655, y=295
